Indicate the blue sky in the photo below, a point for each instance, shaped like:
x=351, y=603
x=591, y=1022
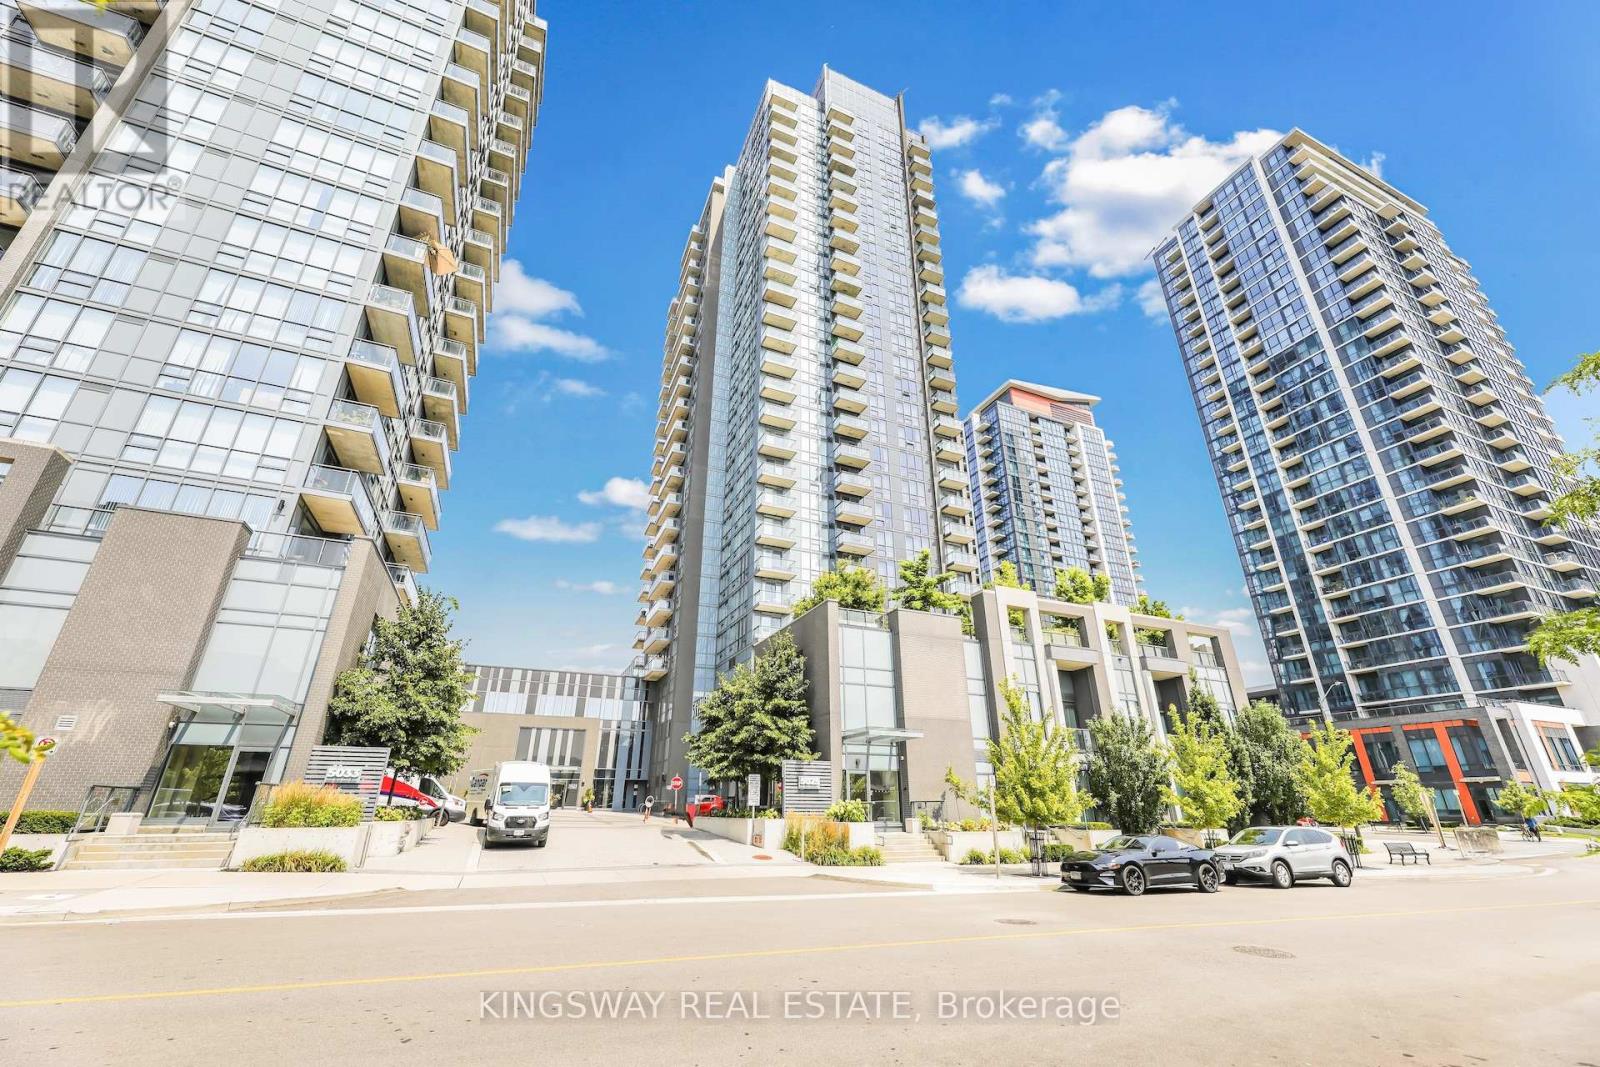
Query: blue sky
x=1064, y=144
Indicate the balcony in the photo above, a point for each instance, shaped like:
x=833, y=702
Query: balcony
x=71, y=26
x=775, y=416
x=955, y=505
x=844, y=350
x=856, y=545
x=768, y=600
x=392, y=321
x=961, y=561
x=463, y=324
x=776, y=503
x=658, y=613
x=776, y=446
x=942, y=401
x=339, y=502
x=407, y=538
x=946, y=426
x=18, y=193
x=50, y=80
x=452, y=361
x=852, y=512
x=850, y=426
x=479, y=249
x=460, y=88
x=847, y=376
x=1160, y=662
x=35, y=138
x=356, y=433
x=652, y=668
x=453, y=128
x=477, y=53
x=419, y=490
x=1066, y=647
x=472, y=283
x=489, y=215
x=437, y=176
x=375, y=376
x=775, y=535
x=440, y=402
x=778, y=389
x=405, y=264
x=849, y=401
x=774, y=567
x=852, y=484
x=430, y=444
x=652, y=640
x=936, y=336
x=957, y=533
x=948, y=450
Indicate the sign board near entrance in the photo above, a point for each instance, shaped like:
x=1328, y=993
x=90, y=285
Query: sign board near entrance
x=807, y=786
x=677, y=782
x=357, y=771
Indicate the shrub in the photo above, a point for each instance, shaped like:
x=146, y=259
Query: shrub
x=16, y=860
x=838, y=856
x=42, y=822
x=847, y=811
x=744, y=813
x=978, y=857
x=975, y=857
x=393, y=814
x=300, y=804
x=301, y=861
x=827, y=844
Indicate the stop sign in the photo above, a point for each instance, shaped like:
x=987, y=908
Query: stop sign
x=677, y=782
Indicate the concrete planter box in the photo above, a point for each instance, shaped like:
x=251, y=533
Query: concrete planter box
x=1082, y=840
x=862, y=834
x=346, y=842
x=955, y=844
x=761, y=833
x=34, y=842
x=393, y=838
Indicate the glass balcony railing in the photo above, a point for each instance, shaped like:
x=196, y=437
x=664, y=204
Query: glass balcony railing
x=342, y=482
x=402, y=577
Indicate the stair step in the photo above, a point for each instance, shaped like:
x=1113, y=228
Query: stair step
x=144, y=864
x=187, y=835
x=132, y=845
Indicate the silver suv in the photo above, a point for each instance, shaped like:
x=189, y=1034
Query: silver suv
x=1284, y=854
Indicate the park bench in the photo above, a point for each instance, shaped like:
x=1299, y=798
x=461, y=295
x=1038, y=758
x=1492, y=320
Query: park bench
x=1406, y=850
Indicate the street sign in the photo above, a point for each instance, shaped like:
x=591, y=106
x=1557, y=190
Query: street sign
x=677, y=782
x=45, y=745
x=752, y=785
x=807, y=786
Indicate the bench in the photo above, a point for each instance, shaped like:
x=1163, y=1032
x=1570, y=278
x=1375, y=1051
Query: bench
x=1406, y=850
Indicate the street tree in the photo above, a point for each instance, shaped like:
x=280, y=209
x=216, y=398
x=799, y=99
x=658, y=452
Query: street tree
x=16, y=740
x=856, y=588
x=407, y=691
x=1077, y=586
x=920, y=590
x=1522, y=801
x=1266, y=759
x=1327, y=760
x=1570, y=635
x=1127, y=772
x=1203, y=788
x=1413, y=798
x=1035, y=767
x=756, y=717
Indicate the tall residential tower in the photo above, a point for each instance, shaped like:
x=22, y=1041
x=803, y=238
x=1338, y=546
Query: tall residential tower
x=808, y=408
x=1385, y=462
x=1048, y=490
x=250, y=250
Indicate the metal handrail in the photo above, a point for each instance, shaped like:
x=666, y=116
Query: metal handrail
x=96, y=800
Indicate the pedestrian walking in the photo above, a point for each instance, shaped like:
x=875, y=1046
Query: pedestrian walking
x=649, y=805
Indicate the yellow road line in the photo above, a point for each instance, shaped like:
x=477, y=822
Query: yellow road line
x=768, y=953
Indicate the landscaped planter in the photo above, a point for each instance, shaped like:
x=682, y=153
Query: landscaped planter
x=862, y=834
x=955, y=844
x=34, y=842
x=347, y=842
x=762, y=833
x=1082, y=840
x=393, y=838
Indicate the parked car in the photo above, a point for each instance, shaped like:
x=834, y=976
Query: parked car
x=1283, y=855
x=1136, y=863
x=704, y=804
x=451, y=807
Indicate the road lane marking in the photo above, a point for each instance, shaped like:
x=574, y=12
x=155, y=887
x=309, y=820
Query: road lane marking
x=768, y=953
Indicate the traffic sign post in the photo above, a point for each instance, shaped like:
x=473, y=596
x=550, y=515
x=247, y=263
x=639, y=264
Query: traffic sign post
x=41, y=748
x=677, y=784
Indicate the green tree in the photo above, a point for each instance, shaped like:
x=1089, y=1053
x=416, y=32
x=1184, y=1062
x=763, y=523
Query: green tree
x=1327, y=759
x=1077, y=586
x=1522, y=801
x=1203, y=785
x=1592, y=757
x=1158, y=608
x=16, y=740
x=1266, y=759
x=1127, y=772
x=1569, y=635
x=1005, y=576
x=756, y=717
x=1035, y=767
x=922, y=591
x=407, y=691
x=853, y=587
x=1582, y=800
x=1414, y=798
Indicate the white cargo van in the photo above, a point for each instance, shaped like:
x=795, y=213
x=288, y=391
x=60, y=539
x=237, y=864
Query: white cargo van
x=511, y=801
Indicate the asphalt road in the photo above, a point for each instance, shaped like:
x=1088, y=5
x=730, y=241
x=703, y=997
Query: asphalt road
x=1447, y=971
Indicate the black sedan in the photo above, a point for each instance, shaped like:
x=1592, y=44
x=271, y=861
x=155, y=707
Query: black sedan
x=1136, y=863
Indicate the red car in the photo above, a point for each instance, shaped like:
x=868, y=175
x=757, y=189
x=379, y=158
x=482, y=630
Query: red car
x=705, y=804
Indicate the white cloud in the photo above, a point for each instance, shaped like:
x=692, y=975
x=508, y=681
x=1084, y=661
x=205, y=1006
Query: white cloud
x=601, y=587
x=519, y=334
x=549, y=528
x=522, y=302
x=522, y=294
x=1001, y=100
x=963, y=129
x=1151, y=300
x=1374, y=164
x=620, y=492
x=1044, y=130
x=574, y=387
x=1241, y=626
x=980, y=190
x=1028, y=297
x=1124, y=182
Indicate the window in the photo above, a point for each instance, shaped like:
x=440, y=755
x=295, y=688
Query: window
x=5, y=469
x=1425, y=752
x=1559, y=747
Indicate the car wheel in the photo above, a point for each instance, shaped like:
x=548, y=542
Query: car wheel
x=443, y=818
x=475, y=819
x=1132, y=881
x=543, y=841
x=1282, y=876
x=1341, y=874
x=1205, y=876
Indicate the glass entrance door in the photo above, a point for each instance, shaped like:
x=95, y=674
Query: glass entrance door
x=191, y=784
x=248, y=770
x=872, y=775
